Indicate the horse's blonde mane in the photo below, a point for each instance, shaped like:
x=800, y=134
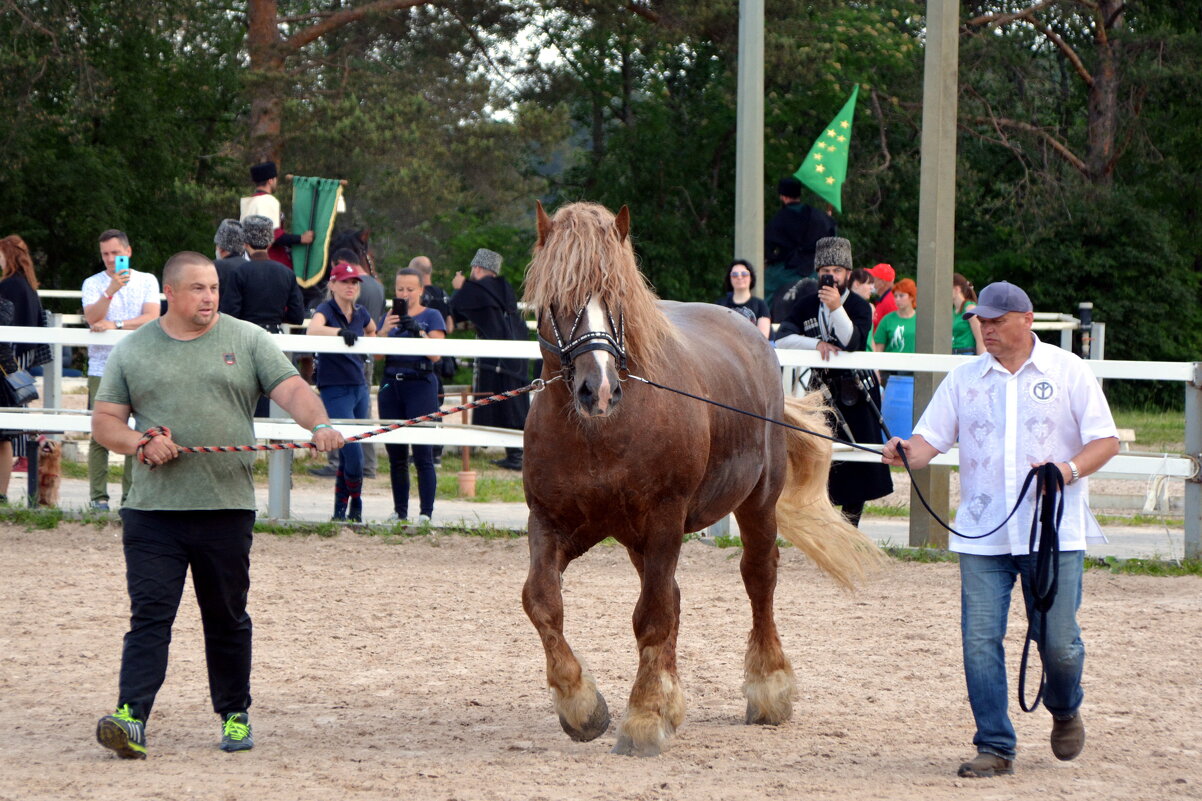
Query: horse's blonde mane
x=583, y=257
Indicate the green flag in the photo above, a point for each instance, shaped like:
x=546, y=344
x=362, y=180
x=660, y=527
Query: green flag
x=314, y=206
x=825, y=167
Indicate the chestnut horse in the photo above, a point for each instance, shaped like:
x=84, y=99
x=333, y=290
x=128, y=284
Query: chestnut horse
x=608, y=456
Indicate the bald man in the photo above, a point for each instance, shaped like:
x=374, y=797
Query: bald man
x=199, y=373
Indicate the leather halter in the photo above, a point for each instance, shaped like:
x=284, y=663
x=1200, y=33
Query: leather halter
x=588, y=341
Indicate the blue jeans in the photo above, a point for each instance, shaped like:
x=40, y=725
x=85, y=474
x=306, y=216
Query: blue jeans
x=348, y=402
x=985, y=586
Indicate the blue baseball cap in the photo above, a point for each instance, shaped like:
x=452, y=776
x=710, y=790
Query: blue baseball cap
x=998, y=299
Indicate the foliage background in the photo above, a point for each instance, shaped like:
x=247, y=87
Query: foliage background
x=449, y=119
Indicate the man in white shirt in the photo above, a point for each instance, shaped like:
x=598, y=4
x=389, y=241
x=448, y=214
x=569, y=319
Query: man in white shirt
x=1021, y=404
x=120, y=301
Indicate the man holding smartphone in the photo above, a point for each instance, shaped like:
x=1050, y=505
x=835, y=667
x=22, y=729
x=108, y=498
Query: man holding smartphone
x=117, y=298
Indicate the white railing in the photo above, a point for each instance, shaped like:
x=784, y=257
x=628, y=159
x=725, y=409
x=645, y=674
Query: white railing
x=1126, y=465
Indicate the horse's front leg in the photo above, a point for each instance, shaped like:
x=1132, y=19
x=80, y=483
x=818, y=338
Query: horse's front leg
x=656, y=705
x=583, y=713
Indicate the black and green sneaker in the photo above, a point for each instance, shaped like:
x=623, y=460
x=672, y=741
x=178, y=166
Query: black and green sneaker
x=235, y=732
x=122, y=733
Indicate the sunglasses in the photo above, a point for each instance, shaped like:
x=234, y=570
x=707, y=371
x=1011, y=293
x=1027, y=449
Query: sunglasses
x=740, y=274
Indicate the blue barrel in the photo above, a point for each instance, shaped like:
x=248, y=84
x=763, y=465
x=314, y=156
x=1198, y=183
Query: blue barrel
x=897, y=405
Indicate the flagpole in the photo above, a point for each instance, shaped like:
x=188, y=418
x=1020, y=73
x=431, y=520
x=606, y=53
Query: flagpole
x=749, y=144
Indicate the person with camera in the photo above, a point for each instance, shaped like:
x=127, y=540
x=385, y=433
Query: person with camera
x=410, y=388
x=1025, y=404
x=831, y=322
x=342, y=381
x=117, y=298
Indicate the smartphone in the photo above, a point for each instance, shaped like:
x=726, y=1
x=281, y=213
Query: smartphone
x=121, y=264
x=400, y=307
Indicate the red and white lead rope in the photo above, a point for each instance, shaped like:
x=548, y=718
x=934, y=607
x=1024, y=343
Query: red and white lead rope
x=159, y=431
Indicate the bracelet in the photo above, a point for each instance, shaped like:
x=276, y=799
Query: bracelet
x=322, y=425
x=108, y=296
x=1073, y=469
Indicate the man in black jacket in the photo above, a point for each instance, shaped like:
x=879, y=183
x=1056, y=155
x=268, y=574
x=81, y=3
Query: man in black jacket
x=832, y=321
x=487, y=301
x=262, y=291
x=789, y=240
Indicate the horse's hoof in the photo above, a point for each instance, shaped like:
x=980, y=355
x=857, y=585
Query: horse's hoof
x=626, y=747
x=594, y=727
x=758, y=717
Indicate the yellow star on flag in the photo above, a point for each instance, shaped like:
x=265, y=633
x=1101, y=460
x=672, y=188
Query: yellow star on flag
x=825, y=166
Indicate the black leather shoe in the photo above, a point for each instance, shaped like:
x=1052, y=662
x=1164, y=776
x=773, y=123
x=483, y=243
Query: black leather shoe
x=1068, y=737
x=509, y=464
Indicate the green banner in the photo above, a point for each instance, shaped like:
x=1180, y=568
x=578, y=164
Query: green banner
x=825, y=167
x=314, y=206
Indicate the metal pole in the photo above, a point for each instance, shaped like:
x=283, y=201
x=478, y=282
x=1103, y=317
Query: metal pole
x=52, y=374
x=279, y=477
x=1193, y=448
x=749, y=141
x=936, y=241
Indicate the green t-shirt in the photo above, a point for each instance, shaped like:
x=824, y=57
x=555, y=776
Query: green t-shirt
x=896, y=333
x=205, y=391
x=962, y=338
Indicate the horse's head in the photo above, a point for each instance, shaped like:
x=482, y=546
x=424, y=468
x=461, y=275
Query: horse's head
x=589, y=345
x=582, y=323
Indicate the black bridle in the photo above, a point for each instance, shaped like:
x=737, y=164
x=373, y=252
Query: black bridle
x=612, y=343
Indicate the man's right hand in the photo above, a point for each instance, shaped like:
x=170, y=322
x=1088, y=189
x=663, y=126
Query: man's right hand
x=307, y=238
x=457, y=281
x=118, y=282
x=830, y=297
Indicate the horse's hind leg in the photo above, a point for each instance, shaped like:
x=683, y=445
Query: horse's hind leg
x=583, y=713
x=767, y=675
x=656, y=705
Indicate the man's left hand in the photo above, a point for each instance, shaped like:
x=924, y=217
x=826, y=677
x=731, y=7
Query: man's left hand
x=328, y=439
x=827, y=350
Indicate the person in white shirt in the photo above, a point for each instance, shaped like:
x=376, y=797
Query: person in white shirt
x=1021, y=404
x=120, y=301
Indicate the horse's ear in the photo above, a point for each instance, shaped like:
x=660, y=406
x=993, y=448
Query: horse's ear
x=544, y=223
x=622, y=223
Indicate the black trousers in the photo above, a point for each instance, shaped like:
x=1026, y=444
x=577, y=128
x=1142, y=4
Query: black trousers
x=159, y=549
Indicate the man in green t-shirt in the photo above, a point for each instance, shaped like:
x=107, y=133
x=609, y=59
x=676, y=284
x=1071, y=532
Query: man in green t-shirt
x=199, y=374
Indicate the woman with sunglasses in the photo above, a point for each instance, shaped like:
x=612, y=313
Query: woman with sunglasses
x=740, y=278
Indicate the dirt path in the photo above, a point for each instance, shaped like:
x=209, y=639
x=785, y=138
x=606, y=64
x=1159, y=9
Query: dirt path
x=409, y=670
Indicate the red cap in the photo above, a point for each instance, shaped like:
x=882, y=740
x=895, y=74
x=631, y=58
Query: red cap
x=882, y=271
x=345, y=271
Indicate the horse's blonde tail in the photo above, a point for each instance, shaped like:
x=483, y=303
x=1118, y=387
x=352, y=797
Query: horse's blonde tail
x=804, y=513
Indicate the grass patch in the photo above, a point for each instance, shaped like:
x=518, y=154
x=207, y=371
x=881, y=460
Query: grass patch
x=1156, y=430
x=296, y=528
x=32, y=519
x=886, y=511
x=1145, y=567
x=922, y=555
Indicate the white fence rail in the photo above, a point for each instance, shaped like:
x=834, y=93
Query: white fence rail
x=1128, y=465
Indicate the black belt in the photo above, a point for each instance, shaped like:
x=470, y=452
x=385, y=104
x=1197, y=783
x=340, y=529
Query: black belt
x=412, y=375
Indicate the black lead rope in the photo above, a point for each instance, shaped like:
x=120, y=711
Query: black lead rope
x=1045, y=527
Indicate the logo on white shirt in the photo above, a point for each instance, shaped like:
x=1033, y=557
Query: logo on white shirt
x=1043, y=391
